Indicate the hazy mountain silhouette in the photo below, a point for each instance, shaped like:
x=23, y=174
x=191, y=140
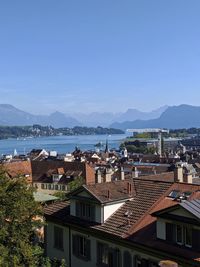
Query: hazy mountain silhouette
x=107, y=118
x=175, y=117
x=10, y=116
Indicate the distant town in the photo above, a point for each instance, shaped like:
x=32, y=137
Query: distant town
x=38, y=131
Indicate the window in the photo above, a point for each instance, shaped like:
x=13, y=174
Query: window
x=42, y=186
x=81, y=247
x=139, y=262
x=102, y=254
x=49, y=186
x=153, y=264
x=188, y=237
x=63, y=187
x=85, y=211
x=184, y=235
x=174, y=194
x=127, y=259
x=179, y=234
x=107, y=257
x=58, y=237
x=56, y=187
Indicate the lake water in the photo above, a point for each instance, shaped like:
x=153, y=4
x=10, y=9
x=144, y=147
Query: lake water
x=62, y=144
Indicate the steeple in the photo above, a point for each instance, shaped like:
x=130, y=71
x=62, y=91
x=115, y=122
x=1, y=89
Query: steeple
x=106, y=149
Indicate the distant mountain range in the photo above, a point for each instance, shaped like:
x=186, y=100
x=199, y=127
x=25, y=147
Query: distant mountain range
x=12, y=116
x=107, y=118
x=175, y=117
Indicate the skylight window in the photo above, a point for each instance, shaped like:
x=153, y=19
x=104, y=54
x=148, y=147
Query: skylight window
x=174, y=194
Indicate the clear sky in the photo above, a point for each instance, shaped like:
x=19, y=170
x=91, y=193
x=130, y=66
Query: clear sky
x=99, y=55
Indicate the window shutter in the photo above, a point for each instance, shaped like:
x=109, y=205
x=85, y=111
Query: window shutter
x=88, y=249
x=196, y=239
x=78, y=209
x=170, y=232
x=75, y=245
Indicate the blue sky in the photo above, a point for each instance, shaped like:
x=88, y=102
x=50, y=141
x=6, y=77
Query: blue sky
x=99, y=55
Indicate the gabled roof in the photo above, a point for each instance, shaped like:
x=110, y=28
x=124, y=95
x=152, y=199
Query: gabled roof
x=112, y=191
x=144, y=194
x=133, y=221
x=192, y=206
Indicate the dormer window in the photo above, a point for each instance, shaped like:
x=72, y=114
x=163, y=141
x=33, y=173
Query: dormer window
x=179, y=234
x=56, y=177
x=188, y=237
x=85, y=211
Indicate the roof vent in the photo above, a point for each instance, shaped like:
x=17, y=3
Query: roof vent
x=128, y=213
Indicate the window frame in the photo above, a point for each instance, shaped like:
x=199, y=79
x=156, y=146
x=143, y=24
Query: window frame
x=189, y=229
x=58, y=238
x=85, y=211
x=182, y=235
x=81, y=247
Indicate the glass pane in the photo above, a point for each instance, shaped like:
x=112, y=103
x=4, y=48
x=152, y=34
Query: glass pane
x=188, y=237
x=179, y=234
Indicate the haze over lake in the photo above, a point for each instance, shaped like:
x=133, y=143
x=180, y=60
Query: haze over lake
x=62, y=144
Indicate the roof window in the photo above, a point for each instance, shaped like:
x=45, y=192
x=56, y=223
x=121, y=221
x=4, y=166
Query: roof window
x=174, y=194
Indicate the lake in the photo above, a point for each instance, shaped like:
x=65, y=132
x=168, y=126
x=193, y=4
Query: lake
x=62, y=144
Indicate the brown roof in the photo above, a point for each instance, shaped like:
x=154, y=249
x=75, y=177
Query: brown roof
x=112, y=191
x=42, y=170
x=133, y=220
x=147, y=237
x=144, y=194
x=18, y=168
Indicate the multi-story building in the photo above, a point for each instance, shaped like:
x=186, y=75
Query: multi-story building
x=127, y=223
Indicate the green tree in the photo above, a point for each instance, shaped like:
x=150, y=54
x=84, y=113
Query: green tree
x=18, y=213
x=61, y=195
x=78, y=181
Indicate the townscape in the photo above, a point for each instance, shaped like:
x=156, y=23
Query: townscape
x=99, y=133
x=117, y=208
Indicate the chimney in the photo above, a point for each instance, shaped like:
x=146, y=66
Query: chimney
x=98, y=176
x=168, y=263
x=122, y=173
x=108, y=175
x=135, y=173
x=178, y=174
x=129, y=188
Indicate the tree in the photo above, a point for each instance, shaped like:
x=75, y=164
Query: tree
x=78, y=181
x=18, y=213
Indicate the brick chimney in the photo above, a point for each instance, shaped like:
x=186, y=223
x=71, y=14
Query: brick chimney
x=129, y=188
